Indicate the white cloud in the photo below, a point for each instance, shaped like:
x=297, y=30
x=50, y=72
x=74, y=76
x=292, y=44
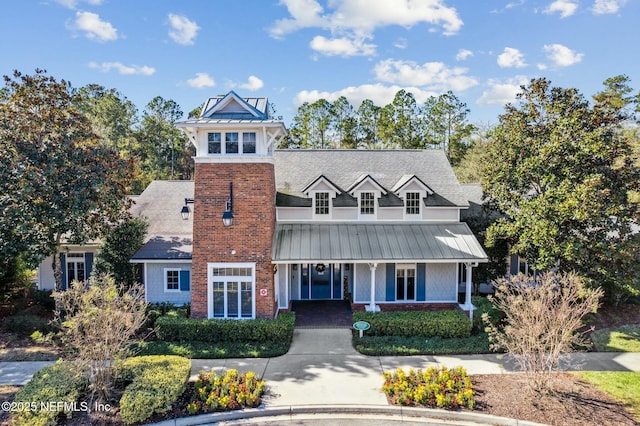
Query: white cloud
x=378, y=93
x=603, y=7
x=252, y=84
x=564, y=7
x=561, y=55
x=350, y=22
x=71, y=4
x=401, y=43
x=342, y=46
x=511, y=58
x=93, y=27
x=123, y=69
x=502, y=92
x=435, y=75
x=201, y=80
x=463, y=54
x=183, y=31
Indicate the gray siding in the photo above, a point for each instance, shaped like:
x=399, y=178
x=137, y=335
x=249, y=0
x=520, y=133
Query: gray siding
x=154, y=284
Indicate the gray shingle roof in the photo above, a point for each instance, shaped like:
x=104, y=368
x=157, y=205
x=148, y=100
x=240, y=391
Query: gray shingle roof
x=342, y=242
x=168, y=236
x=296, y=168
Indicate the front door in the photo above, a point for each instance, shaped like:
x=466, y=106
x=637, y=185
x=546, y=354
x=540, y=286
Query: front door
x=321, y=281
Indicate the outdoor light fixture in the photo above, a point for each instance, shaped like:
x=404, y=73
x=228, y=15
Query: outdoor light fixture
x=185, y=212
x=227, y=216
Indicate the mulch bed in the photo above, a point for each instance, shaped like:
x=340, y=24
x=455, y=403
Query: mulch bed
x=574, y=401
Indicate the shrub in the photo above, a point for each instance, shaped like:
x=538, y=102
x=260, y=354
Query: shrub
x=229, y=391
x=156, y=310
x=156, y=383
x=26, y=324
x=55, y=383
x=484, y=306
x=44, y=298
x=178, y=329
x=433, y=387
x=444, y=324
x=403, y=346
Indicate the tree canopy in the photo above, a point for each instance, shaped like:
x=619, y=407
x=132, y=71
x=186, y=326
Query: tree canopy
x=57, y=181
x=561, y=173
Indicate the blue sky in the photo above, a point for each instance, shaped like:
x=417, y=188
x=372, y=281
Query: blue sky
x=293, y=51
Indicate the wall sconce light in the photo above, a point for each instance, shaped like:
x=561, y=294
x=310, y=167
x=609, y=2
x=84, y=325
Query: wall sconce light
x=227, y=216
x=185, y=212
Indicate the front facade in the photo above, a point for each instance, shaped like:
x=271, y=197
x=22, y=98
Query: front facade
x=375, y=227
x=263, y=227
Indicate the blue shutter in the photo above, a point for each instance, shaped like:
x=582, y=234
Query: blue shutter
x=63, y=267
x=514, y=264
x=88, y=264
x=390, y=285
x=185, y=280
x=421, y=272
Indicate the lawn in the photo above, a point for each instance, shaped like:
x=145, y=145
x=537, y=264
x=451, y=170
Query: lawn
x=624, y=338
x=623, y=386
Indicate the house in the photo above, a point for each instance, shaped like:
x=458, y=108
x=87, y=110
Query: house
x=260, y=227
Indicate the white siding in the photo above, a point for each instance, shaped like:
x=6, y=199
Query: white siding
x=294, y=213
x=154, y=284
x=46, y=279
x=441, y=214
x=390, y=213
x=345, y=213
x=294, y=283
x=283, y=274
x=441, y=280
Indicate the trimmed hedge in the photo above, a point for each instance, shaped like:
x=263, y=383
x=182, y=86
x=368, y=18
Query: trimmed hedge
x=177, y=329
x=26, y=324
x=484, y=306
x=156, y=383
x=58, y=384
x=444, y=324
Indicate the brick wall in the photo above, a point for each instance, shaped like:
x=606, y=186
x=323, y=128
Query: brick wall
x=250, y=236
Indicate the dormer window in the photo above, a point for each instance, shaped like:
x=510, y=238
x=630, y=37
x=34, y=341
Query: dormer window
x=367, y=203
x=412, y=203
x=215, y=142
x=249, y=143
x=321, y=200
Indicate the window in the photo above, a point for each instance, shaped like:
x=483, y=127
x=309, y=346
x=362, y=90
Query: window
x=75, y=267
x=412, y=203
x=232, y=291
x=249, y=143
x=172, y=280
x=405, y=283
x=215, y=143
x=367, y=203
x=322, y=203
x=231, y=142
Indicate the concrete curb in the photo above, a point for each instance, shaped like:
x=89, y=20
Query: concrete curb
x=402, y=413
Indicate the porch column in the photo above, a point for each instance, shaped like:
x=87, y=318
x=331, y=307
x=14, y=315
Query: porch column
x=372, y=307
x=468, y=306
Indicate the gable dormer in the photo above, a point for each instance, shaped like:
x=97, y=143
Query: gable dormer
x=412, y=190
x=321, y=191
x=367, y=191
x=234, y=129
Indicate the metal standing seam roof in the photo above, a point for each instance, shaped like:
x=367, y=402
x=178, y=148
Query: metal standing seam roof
x=393, y=242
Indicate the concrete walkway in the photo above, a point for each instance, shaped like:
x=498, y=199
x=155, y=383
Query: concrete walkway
x=322, y=369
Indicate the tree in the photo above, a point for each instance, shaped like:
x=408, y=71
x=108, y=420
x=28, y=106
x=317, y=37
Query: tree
x=57, y=181
x=561, y=173
x=117, y=249
x=97, y=323
x=368, y=118
x=161, y=139
x=470, y=168
x=542, y=319
x=446, y=126
x=345, y=123
x=397, y=125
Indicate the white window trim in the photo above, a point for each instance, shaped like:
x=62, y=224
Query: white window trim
x=223, y=143
x=170, y=290
x=211, y=278
x=364, y=216
x=408, y=216
x=317, y=216
x=406, y=266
